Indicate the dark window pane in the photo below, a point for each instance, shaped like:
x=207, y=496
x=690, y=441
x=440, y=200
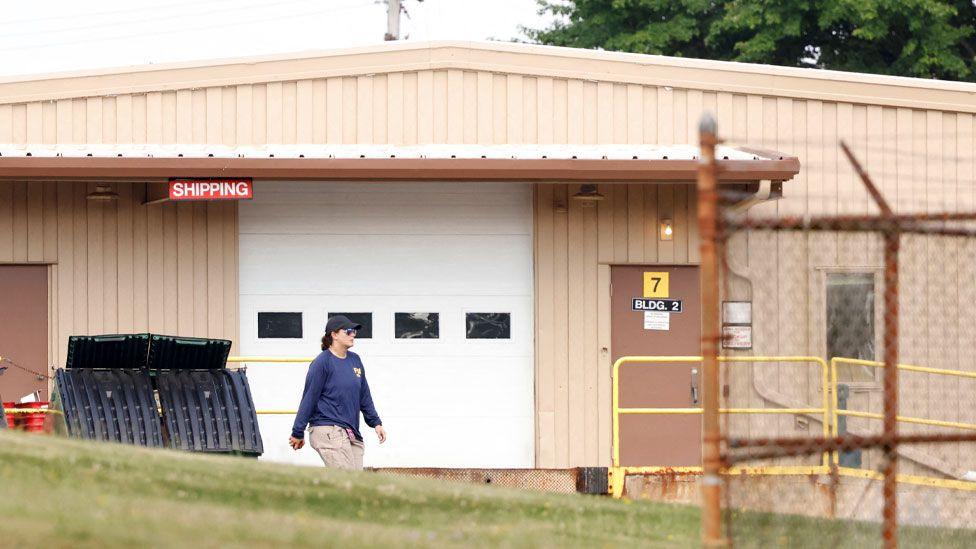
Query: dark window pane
x=416, y=325
x=366, y=319
x=489, y=325
x=850, y=322
x=279, y=325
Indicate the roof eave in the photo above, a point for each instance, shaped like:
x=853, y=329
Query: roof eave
x=394, y=169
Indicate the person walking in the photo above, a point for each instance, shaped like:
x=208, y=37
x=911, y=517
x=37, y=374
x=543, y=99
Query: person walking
x=335, y=393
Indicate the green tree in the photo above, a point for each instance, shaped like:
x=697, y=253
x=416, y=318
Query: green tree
x=921, y=38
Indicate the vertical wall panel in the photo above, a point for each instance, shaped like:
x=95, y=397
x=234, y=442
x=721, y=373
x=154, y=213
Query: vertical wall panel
x=499, y=108
x=575, y=317
x=140, y=259
x=110, y=267
x=469, y=107
x=245, y=115
x=35, y=221
x=560, y=311
x=96, y=264
x=7, y=220
x=395, y=106
x=439, y=107
x=545, y=342
x=318, y=111
x=378, y=109
x=227, y=130
x=259, y=114
x=409, y=106
x=425, y=107
x=560, y=111
x=7, y=123
x=35, y=123
x=109, y=120
x=530, y=115
x=139, y=118
x=214, y=113
x=123, y=119
x=289, y=113
x=124, y=261
x=364, y=109
x=274, y=113
x=513, y=102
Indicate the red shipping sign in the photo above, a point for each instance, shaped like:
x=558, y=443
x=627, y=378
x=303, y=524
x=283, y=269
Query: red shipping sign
x=211, y=189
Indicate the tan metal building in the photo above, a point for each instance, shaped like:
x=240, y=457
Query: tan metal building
x=486, y=116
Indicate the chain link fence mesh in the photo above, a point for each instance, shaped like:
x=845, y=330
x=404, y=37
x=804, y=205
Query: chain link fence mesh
x=808, y=296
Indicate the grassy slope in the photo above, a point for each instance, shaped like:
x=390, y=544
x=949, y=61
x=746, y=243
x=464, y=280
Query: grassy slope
x=69, y=493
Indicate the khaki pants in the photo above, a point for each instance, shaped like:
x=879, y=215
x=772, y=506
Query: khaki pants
x=334, y=447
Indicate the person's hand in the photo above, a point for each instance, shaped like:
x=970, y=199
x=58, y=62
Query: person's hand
x=381, y=433
x=296, y=443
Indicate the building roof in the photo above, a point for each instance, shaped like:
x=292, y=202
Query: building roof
x=510, y=58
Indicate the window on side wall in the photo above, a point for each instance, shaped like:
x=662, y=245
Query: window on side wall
x=851, y=324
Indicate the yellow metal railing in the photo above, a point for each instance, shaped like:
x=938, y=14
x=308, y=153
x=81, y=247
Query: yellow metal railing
x=823, y=410
x=828, y=411
x=271, y=360
x=837, y=412
x=617, y=473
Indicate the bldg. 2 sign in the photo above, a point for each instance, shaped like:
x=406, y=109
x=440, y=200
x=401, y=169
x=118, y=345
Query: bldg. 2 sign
x=663, y=305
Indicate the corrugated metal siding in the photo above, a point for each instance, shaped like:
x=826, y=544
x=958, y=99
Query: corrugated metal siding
x=122, y=266
x=922, y=159
x=575, y=244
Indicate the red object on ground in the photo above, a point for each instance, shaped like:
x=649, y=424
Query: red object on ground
x=11, y=418
x=33, y=423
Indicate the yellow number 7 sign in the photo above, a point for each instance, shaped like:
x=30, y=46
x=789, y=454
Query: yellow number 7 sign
x=656, y=284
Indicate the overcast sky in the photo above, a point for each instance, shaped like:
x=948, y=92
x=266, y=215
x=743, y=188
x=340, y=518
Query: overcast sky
x=59, y=35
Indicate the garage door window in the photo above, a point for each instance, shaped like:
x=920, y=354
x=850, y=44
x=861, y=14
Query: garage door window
x=416, y=325
x=488, y=325
x=279, y=325
x=364, y=319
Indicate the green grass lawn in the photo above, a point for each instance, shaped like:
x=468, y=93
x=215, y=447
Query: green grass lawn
x=57, y=492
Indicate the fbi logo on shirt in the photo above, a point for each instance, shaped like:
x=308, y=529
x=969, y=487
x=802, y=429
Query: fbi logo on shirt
x=359, y=372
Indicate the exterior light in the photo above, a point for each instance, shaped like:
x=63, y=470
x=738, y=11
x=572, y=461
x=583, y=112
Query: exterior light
x=103, y=193
x=667, y=229
x=588, y=195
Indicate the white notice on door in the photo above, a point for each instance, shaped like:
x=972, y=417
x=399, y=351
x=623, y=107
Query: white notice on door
x=657, y=320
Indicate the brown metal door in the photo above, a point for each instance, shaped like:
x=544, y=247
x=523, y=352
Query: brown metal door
x=23, y=330
x=665, y=440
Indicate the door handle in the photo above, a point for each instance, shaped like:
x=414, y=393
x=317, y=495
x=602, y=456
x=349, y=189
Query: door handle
x=694, y=385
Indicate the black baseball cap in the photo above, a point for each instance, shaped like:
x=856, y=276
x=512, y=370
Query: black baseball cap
x=340, y=322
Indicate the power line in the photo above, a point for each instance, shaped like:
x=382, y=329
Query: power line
x=19, y=22
x=183, y=29
x=236, y=7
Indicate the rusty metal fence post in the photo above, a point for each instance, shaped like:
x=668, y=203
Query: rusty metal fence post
x=712, y=437
x=892, y=241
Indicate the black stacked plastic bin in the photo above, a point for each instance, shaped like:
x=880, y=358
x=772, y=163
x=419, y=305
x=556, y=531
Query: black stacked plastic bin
x=156, y=390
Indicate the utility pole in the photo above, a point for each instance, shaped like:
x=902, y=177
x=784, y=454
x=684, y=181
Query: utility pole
x=392, y=20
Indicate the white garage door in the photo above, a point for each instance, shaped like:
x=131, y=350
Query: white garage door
x=458, y=256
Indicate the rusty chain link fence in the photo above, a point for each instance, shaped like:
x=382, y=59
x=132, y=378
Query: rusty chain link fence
x=867, y=430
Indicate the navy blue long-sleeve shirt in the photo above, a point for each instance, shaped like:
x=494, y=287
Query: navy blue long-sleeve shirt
x=335, y=392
